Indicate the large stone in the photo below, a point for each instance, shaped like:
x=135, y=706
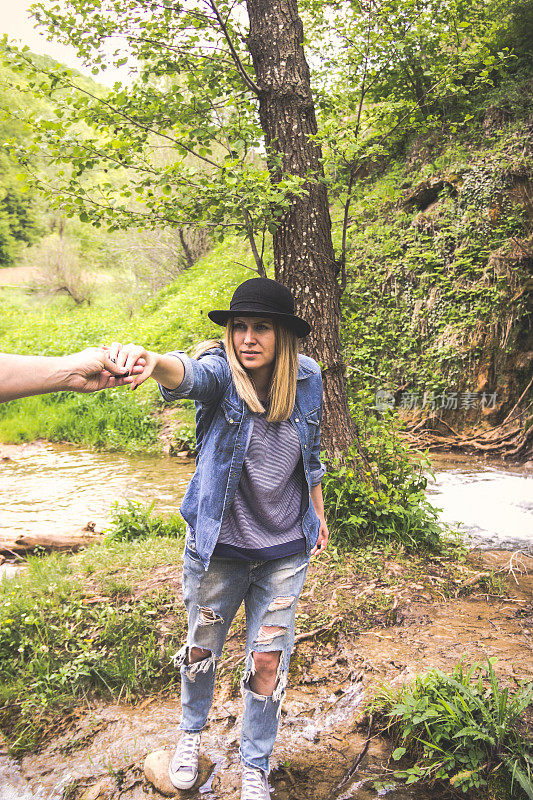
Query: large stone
x=156, y=772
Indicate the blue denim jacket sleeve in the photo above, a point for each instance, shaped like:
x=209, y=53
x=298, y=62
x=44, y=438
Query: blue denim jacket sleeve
x=317, y=469
x=206, y=378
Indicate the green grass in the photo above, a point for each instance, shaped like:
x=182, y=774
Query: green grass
x=134, y=521
x=462, y=730
x=112, y=420
x=71, y=626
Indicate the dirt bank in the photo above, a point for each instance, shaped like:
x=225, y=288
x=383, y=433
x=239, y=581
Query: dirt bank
x=359, y=624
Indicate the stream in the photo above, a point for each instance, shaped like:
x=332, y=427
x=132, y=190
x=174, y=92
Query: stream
x=490, y=503
x=60, y=488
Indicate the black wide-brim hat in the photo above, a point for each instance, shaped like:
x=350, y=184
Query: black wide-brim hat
x=263, y=297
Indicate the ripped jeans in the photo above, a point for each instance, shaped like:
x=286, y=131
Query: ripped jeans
x=270, y=590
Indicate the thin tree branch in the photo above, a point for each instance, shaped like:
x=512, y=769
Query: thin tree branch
x=129, y=212
x=240, y=264
x=353, y=171
x=351, y=772
x=180, y=50
x=251, y=238
x=238, y=63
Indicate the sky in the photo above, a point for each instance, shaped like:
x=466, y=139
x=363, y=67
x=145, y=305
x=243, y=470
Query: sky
x=15, y=20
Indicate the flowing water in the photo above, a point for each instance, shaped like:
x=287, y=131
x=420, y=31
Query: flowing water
x=59, y=488
x=489, y=502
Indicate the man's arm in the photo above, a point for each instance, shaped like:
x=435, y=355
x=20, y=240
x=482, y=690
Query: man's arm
x=88, y=371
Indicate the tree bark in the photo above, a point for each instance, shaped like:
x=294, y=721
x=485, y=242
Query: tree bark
x=304, y=258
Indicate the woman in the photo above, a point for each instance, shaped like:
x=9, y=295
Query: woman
x=253, y=508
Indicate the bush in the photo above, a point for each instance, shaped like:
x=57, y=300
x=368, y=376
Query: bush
x=384, y=501
x=462, y=730
x=133, y=520
x=184, y=439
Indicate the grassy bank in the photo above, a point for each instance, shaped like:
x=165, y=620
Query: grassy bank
x=115, y=421
x=75, y=628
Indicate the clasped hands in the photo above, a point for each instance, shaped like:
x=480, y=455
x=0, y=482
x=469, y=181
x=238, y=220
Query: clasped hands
x=108, y=366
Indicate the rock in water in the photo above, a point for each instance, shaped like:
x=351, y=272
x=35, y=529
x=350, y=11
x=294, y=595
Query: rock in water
x=156, y=772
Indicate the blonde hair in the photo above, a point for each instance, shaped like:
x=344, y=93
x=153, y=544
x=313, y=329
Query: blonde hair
x=282, y=391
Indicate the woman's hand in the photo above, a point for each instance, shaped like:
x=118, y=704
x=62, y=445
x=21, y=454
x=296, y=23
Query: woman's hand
x=131, y=357
x=92, y=370
x=323, y=536
x=166, y=370
x=323, y=533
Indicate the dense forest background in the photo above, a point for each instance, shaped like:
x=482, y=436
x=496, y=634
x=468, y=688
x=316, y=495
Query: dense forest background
x=424, y=118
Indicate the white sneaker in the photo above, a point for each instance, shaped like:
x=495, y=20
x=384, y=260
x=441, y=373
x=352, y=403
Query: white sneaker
x=254, y=784
x=183, y=767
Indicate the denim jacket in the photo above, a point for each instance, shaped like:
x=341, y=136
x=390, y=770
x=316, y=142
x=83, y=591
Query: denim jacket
x=223, y=429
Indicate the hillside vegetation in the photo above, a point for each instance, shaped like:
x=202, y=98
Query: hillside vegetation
x=439, y=278
x=441, y=256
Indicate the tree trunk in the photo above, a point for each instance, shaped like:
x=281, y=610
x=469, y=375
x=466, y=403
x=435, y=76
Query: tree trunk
x=304, y=258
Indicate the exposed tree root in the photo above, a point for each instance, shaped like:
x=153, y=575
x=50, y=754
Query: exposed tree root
x=511, y=439
x=351, y=772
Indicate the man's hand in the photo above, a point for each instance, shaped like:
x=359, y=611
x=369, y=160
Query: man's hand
x=93, y=370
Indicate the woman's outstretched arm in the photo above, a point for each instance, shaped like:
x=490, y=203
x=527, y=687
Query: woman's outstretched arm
x=179, y=376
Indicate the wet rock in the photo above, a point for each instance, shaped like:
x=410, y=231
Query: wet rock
x=156, y=773
x=103, y=790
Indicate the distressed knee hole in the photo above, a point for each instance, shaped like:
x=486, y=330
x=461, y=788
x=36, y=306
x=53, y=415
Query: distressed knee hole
x=265, y=662
x=280, y=603
x=192, y=668
x=208, y=616
x=267, y=633
x=197, y=654
x=281, y=675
